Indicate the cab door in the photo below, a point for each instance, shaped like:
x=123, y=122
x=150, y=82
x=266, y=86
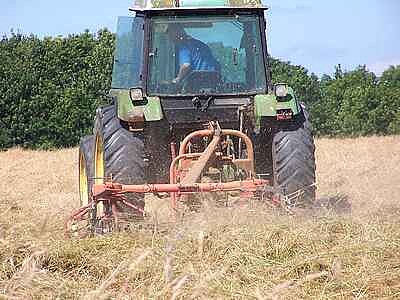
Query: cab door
x=128, y=56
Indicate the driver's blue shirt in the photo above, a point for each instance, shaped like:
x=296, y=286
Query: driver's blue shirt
x=197, y=54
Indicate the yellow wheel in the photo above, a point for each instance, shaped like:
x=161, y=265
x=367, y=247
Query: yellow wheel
x=83, y=181
x=99, y=161
x=99, y=173
x=85, y=169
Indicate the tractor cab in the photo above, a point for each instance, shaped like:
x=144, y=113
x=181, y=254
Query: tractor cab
x=199, y=53
x=190, y=48
x=222, y=51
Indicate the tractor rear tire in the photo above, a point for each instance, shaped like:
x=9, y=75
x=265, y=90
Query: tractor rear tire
x=119, y=154
x=85, y=169
x=293, y=158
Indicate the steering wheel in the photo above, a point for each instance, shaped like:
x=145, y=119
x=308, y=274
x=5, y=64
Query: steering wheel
x=200, y=80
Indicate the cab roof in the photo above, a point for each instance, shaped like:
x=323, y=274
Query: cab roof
x=149, y=5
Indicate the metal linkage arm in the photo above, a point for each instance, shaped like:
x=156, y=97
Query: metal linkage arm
x=110, y=189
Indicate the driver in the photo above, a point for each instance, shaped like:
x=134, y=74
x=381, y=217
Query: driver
x=193, y=55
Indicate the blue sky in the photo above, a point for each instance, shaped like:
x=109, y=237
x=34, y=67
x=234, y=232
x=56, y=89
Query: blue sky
x=313, y=33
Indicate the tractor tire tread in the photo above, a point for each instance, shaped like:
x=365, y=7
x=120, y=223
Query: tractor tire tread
x=293, y=153
x=123, y=152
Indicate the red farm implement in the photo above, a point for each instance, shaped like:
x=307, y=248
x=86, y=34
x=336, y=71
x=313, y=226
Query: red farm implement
x=186, y=171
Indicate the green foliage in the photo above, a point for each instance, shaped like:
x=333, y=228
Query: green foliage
x=351, y=103
x=306, y=86
x=391, y=77
x=51, y=87
x=4, y=139
x=357, y=103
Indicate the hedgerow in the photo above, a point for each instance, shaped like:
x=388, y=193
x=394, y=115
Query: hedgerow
x=51, y=87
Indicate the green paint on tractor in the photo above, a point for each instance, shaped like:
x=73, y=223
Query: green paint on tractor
x=268, y=104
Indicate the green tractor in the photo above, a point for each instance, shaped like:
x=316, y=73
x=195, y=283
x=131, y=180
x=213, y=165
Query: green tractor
x=179, y=65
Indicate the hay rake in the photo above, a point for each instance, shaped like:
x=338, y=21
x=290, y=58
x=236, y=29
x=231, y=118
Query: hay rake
x=185, y=172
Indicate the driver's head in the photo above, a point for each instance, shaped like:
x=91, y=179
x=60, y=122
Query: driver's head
x=175, y=32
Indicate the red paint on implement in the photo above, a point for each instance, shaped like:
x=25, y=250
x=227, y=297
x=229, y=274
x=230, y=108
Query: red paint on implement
x=185, y=171
x=110, y=189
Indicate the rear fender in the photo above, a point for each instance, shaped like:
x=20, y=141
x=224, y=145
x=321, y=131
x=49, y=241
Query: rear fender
x=149, y=109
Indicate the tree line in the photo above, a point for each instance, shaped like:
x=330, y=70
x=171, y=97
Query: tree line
x=51, y=87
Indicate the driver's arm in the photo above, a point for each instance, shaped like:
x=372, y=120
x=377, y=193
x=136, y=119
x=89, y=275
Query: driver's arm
x=184, y=70
x=184, y=64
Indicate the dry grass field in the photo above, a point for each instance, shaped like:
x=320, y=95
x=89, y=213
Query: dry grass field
x=219, y=253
